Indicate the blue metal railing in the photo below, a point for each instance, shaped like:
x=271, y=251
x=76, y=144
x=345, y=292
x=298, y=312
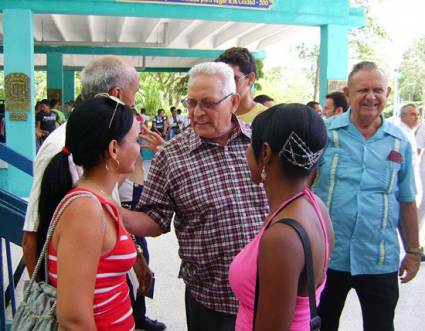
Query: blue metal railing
x=12, y=216
x=17, y=160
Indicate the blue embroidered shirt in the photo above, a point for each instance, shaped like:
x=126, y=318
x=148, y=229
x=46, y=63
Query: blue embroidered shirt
x=363, y=182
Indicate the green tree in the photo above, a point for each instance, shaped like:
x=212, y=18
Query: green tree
x=412, y=73
x=286, y=84
x=161, y=90
x=310, y=54
x=365, y=43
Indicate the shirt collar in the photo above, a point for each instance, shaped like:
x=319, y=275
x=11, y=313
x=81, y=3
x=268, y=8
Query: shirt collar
x=344, y=120
x=240, y=128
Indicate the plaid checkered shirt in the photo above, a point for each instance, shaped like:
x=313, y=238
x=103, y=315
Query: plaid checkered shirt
x=218, y=210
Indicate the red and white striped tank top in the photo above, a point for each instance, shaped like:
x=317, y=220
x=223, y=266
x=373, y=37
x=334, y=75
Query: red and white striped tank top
x=111, y=302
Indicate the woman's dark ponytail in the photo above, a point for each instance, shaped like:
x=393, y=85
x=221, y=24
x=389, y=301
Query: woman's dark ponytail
x=55, y=184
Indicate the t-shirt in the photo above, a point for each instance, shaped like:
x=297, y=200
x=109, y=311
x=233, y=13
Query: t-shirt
x=159, y=121
x=249, y=116
x=47, y=121
x=174, y=123
x=61, y=117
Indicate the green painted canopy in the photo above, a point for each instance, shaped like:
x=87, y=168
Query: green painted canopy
x=165, y=35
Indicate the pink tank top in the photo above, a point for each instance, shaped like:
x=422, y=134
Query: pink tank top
x=243, y=276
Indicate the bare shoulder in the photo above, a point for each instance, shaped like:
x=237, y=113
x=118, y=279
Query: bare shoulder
x=281, y=247
x=83, y=213
x=328, y=222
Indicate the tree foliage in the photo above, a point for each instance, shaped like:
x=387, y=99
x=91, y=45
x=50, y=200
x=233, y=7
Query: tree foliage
x=364, y=43
x=161, y=90
x=412, y=73
x=310, y=54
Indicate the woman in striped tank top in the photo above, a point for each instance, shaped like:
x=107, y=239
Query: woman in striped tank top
x=90, y=251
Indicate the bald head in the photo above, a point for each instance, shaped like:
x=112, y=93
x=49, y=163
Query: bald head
x=106, y=73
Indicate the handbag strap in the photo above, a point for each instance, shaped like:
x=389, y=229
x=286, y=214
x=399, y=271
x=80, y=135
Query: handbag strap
x=315, y=321
x=68, y=199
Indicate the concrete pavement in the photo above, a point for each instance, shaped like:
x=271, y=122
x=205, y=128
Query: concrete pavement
x=168, y=303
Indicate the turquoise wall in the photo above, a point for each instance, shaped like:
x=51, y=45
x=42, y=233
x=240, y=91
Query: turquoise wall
x=18, y=58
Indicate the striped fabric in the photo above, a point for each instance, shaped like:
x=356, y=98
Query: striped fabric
x=111, y=301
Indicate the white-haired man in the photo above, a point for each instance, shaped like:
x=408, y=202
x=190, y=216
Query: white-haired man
x=202, y=176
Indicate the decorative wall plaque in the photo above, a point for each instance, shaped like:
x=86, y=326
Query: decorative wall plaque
x=18, y=116
x=17, y=92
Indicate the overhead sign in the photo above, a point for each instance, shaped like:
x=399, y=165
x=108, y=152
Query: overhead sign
x=246, y=4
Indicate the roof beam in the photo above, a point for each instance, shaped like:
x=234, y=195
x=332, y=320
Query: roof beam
x=60, y=26
x=206, y=31
x=134, y=51
x=148, y=29
x=90, y=23
x=318, y=12
x=235, y=31
x=121, y=28
x=140, y=69
x=178, y=28
x=268, y=41
x=254, y=36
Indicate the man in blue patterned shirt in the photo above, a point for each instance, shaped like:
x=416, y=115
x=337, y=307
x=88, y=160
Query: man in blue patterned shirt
x=366, y=178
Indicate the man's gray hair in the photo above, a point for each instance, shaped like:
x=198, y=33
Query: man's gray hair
x=103, y=74
x=219, y=69
x=363, y=66
x=403, y=110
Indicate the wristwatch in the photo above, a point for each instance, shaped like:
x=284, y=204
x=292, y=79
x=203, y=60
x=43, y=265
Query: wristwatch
x=418, y=251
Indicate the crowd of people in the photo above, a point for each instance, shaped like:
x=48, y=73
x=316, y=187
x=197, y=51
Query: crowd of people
x=277, y=211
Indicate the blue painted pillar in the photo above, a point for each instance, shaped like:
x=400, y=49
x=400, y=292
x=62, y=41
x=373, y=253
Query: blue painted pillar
x=333, y=56
x=55, y=76
x=19, y=58
x=68, y=85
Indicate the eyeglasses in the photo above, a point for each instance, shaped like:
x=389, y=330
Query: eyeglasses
x=204, y=104
x=111, y=97
x=238, y=79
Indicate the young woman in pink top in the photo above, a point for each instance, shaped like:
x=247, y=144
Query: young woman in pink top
x=90, y=251
x=287, y=141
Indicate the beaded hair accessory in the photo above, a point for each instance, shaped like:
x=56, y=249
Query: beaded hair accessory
x=296, y=152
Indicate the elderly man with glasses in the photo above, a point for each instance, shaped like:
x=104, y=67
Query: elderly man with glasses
x=245, y=72
x=202, y=178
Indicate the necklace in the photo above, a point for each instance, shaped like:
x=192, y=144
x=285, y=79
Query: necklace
x=96, y=186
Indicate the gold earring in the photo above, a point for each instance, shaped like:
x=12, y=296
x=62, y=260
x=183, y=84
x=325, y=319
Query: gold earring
x=263, y=175
x=115, y=168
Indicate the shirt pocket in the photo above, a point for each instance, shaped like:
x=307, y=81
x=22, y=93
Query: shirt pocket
x=387, y=176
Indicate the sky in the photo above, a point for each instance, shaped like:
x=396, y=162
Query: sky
x=402, y=19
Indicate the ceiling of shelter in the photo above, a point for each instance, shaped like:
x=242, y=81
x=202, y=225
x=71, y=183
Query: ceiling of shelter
x=137, y=32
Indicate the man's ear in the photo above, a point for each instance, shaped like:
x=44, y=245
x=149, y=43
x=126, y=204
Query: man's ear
x=251, y=78
x=115, y=91
x=236, y=99
x=346, y=91
x=388, y=91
